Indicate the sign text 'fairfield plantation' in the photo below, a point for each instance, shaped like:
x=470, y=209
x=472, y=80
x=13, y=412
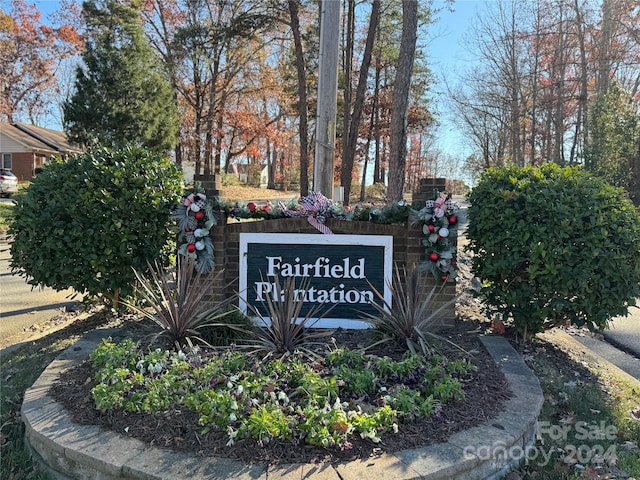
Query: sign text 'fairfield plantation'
x=339, y=271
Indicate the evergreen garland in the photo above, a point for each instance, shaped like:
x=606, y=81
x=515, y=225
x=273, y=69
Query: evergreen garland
x=439, y=220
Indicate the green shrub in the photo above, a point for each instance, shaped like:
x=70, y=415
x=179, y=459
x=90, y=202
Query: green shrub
x=377, y=190
x=87, y=222
x=553, y=246
x=230, y=180
x=223, y=335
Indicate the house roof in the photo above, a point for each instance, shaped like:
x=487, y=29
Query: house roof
x=39, y=139
x=27, y=141
x=239, y=168
x=55, y=139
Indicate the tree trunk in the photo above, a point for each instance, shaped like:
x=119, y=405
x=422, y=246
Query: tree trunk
x=366, y=156
x=376, y=122
x=400, y=101
x=302, y=98
x=348, y=152
x=604, y=48
x=346, y=169
x=583, y=106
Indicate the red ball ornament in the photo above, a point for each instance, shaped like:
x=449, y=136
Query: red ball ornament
x=434, y=257
x=198, y=215
x=191, y=248
x=444, y=278
x=453, y=220
x=252, y=207
x=187, y=230
x=431, y=228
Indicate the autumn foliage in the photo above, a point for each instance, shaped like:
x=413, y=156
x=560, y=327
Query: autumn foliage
x=30, y=55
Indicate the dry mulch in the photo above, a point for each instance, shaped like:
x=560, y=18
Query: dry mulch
x=243, y=193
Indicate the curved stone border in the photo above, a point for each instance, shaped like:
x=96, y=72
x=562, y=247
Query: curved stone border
x=70, y=451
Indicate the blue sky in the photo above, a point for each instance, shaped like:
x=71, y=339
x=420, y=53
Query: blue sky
x=448, y=57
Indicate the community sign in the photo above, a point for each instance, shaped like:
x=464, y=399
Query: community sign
x=333, y=272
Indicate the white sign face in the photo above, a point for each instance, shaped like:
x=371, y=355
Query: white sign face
x=338, y=270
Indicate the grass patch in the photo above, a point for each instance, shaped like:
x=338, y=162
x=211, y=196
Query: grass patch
x=6, y=214
x=20, y=369
x=587, y=426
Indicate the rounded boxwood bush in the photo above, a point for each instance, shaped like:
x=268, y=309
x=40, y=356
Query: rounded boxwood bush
x=553, y=245
x=85, y=223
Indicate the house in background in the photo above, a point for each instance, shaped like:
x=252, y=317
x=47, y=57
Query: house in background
x=26, y=148
x=252, y=174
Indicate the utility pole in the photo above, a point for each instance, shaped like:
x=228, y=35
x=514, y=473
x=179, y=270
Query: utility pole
x=327, y=97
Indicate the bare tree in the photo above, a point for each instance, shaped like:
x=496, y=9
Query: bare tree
x=294, y=12
x=398, y=129
x=352, y=125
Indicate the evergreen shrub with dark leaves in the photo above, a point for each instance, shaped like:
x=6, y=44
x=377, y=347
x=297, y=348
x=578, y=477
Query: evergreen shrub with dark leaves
x=553, y=246
x=86, y=223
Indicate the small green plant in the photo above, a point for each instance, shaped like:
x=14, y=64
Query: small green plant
x=278, y=397
x=412, y=317
x=357, y=382
x=231, y=331
x=339, y=357
x=283, y=329
x=315, y=386
x=413, y=404
x=176, y=304
x=266, y=422
x=553, y=245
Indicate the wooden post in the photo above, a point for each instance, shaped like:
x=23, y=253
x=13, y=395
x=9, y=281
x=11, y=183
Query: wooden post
x=327, y=98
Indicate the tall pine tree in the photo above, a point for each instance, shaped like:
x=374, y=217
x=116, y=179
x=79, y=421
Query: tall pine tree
x=122, y=95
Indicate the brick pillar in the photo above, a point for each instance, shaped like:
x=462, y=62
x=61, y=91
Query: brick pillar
x=218, y=234
x=427, y=189
x=212, y=184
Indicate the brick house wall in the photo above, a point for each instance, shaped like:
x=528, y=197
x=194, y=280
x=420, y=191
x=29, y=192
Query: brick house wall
x=24, y=164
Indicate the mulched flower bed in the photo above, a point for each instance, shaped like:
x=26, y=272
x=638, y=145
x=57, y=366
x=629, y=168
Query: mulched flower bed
x=179, y=430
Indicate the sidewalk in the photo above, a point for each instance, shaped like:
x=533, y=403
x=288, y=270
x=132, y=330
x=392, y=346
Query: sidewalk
x=624, y=332
x=596, y=353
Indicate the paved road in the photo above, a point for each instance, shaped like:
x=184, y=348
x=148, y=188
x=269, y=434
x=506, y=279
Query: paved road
x=21, y=307
x=625, y=332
